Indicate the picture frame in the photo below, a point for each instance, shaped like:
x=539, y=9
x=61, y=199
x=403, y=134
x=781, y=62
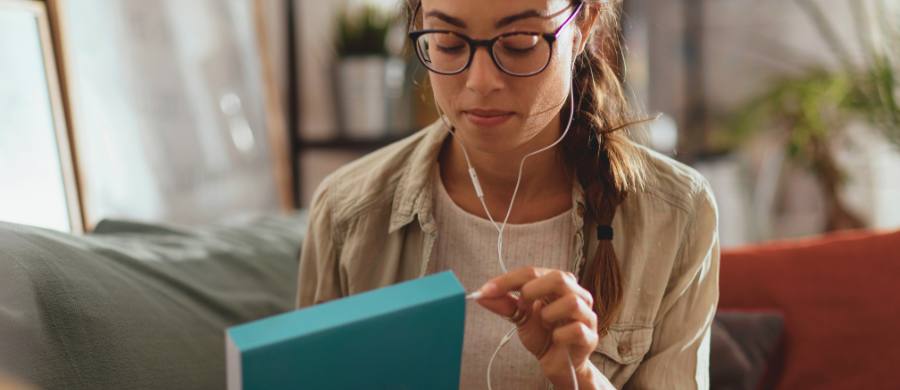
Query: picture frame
x=37, y=168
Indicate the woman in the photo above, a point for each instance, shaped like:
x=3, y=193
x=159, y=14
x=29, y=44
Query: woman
x=613, y=249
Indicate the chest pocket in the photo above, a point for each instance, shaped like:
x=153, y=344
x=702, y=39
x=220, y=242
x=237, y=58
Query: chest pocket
x=622, y=347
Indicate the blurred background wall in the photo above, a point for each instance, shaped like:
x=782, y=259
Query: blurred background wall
x=185, y=113
x=704, y=65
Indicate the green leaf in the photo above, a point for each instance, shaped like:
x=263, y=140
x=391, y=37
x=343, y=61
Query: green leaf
x=363, y=31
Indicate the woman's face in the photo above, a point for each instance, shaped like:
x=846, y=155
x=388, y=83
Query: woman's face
x=493, y=111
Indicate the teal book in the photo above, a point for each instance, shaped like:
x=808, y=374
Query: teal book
x=405, y=336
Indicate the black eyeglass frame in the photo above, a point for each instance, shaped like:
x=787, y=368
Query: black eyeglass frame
x=488, y=44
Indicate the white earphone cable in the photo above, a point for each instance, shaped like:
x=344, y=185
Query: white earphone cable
x=479, y=192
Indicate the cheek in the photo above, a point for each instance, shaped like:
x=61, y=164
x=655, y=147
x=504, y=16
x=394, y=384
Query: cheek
x=548, y=90
x=445, y=89
x=543, y=96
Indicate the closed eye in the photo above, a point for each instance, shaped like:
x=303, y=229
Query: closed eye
x=451, y=49
x=518, y=50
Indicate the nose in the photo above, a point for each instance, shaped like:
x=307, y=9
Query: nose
x=483, y=77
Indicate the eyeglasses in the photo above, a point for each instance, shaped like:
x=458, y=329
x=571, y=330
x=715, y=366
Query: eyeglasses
x=520, y=54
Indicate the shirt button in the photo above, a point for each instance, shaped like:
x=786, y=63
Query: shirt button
x=623, y=349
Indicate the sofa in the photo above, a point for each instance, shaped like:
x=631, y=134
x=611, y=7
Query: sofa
x=139, y=306
x=144, y=306
x=839, y=296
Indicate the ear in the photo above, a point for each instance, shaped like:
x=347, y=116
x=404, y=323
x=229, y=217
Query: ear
x=585, y=26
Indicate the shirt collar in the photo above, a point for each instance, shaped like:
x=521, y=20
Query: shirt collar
x=413, y=193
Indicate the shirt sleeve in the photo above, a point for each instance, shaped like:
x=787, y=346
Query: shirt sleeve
x=318, y=278
x=679, y=354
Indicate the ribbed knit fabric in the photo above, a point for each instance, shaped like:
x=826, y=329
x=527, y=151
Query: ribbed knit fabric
x=467, y=245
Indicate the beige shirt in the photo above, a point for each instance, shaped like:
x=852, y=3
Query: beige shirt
x=371, y=225
x=467, y=245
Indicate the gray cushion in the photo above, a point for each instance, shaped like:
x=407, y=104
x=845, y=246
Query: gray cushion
x=139, y=306
x=743, y=345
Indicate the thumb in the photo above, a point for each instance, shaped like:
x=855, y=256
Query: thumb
x=504, y=305
x=533, y=334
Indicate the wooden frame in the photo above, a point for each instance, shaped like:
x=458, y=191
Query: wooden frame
x=58, y=110
x=280, y=137
x=272, y=115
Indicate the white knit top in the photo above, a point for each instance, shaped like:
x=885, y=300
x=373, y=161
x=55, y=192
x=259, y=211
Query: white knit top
x=467, y=245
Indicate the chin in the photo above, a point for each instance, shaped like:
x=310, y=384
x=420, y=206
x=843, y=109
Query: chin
x=493, y=139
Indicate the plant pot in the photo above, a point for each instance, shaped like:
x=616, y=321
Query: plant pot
x=871, y=163
x=370, y=94
x=859, y=190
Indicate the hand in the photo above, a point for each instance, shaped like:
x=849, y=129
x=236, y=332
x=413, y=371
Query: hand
x=557, y=319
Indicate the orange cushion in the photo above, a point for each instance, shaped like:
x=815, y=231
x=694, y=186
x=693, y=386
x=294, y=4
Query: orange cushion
x=840, y=296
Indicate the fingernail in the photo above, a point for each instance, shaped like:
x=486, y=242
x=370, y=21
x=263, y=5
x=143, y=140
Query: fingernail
x=475, y=295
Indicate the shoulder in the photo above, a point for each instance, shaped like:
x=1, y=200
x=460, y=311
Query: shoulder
x=674, y=183
x=372, y=181
x=670, y=237
x=674, y=209
x=678, y=204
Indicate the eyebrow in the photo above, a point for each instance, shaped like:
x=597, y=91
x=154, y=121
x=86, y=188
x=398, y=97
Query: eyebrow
x=505, y=21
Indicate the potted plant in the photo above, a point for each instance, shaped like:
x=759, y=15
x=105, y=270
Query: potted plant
x=369, y=78
x=815, y=110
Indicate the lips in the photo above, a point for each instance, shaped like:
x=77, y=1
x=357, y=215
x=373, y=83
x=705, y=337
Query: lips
x=487, y=117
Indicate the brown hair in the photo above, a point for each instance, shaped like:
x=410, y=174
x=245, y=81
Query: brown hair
x=607, y=163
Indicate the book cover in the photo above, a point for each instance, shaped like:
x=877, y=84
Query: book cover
x=405, y=336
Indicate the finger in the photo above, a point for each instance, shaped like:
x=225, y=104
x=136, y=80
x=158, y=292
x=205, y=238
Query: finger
x=554, y=284
x=536, y=321
x=547, y=327
x=567, y=309
x=504, y=305
x=512, y=281
x=577, y=336
x=573, y=341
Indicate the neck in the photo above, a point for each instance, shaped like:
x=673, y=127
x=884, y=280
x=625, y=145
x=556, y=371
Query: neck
x=545, y=185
